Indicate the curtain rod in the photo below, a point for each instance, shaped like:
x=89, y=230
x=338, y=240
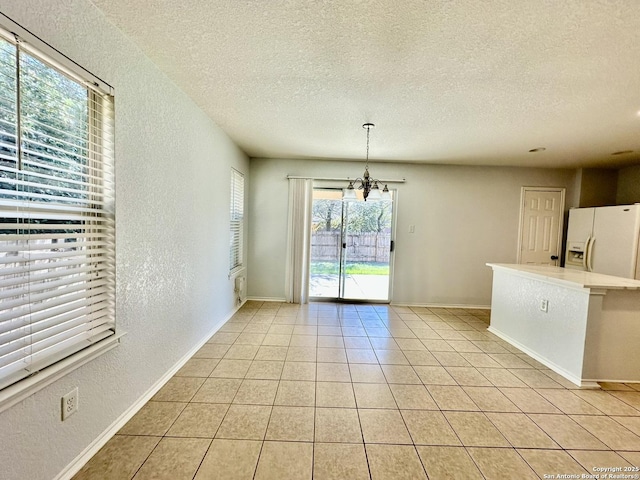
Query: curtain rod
x=345, y=179
x=43, y=51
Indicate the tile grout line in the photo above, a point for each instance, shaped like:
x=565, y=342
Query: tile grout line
x=255, y=469
x=204, y=456
x=399, y=322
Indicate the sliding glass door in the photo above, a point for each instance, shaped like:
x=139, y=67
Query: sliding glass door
x=351, y=247
x=325, y=279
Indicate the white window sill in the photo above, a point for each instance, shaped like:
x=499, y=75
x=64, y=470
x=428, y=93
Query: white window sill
x=30, y=385
x=236, y=272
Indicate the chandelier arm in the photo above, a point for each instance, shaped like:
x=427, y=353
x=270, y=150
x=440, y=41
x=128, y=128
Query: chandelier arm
x=367, y=183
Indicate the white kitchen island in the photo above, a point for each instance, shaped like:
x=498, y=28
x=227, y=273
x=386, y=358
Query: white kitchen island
x=590, y=331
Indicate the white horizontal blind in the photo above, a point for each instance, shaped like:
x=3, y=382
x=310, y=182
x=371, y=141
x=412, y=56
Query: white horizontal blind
x=237, y=219
x=57, y=228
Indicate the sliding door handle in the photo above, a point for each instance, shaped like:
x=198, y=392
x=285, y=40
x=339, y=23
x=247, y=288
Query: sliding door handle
x=344, y=245
x=392, y=246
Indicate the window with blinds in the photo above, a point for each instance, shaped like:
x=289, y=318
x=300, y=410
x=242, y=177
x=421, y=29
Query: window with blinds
x=57, y=230
x=237, y=219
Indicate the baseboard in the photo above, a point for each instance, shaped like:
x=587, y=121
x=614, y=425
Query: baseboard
x=267, y=299
x=590, y=383
x=74, y=467
x=400, y=304
x=547, y=363
x=441, y=305
x=608, y=380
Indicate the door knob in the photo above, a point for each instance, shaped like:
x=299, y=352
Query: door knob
x=554, y=257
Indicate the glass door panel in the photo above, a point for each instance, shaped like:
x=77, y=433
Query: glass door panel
x=350, y=247
x=366, y=250
x=326, y=244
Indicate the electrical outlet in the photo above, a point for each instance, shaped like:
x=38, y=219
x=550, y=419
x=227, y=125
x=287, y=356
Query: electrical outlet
x=70, y=403
x=544, y=305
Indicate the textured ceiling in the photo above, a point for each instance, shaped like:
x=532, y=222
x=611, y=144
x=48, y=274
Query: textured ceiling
x=462, y=82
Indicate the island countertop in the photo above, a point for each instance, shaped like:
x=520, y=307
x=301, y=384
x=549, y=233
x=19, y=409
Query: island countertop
x=570, y=277
x=584, y=326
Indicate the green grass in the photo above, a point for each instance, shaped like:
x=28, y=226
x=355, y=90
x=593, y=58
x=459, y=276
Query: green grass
x=352, y=268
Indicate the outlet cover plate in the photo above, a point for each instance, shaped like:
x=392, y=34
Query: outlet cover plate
x=70, y=403
x=544, y=305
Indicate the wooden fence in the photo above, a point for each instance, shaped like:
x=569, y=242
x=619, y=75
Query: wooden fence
x=361, y=247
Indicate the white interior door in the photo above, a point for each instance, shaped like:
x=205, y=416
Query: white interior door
x=541, y=217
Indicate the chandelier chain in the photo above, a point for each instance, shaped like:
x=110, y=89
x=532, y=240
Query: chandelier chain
x=368, y=131
x=367, y=184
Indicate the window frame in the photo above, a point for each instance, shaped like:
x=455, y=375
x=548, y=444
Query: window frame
x=57, y=366
x=236, y=222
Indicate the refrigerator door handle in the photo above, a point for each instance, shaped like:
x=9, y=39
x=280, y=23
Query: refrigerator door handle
x=585, y=254
x=589, y=254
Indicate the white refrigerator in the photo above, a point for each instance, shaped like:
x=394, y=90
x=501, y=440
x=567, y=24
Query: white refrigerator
x=605, y=240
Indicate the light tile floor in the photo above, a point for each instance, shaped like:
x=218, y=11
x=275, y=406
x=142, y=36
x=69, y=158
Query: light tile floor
x=332, y=391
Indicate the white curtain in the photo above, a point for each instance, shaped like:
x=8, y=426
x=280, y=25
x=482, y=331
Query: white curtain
x=299, y=240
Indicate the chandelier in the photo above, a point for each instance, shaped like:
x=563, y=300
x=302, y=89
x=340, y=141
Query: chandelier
x=369, y=186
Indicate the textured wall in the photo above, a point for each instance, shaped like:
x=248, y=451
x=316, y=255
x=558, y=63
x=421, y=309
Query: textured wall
x=463, y=218
x=598, y=187
x=558, y=335
x=628, y=185
x=172, y=187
